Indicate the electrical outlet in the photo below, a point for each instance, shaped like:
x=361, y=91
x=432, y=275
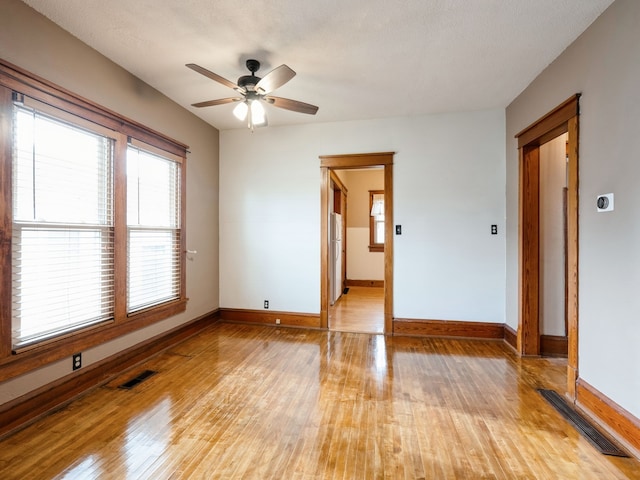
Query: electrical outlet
x=266, y=304
x=77, y=361
x=494, y=229
x=277, y=321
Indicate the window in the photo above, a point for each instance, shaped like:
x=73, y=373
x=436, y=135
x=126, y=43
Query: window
x=153, y=208
x=92, y=238
x=62, y=255
x=376, y=220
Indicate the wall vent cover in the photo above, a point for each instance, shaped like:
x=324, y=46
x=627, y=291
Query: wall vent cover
x=581, y=424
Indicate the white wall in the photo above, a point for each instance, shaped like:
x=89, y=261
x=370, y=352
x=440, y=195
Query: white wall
x=553, y=168
x=32, y=42
x=603, y=65
x=361, y=263
x=448, y=190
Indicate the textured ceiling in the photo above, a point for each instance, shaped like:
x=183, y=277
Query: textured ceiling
x=355, y=59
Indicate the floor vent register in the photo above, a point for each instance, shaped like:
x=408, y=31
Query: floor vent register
x=581, y=424
x=137, y=379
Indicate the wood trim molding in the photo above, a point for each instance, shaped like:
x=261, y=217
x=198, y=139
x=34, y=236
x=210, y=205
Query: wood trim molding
x=325, y=185
x=529, y=321
x=365, y=283
x=554, y=121
x=572, y=284
x=21, y=363
x=619, y=423
x=48, y=92
x=356, y=160
x=554, y=346
x=268, y=317
x=388, y=247
x=6, y=226
x=511, y=337
x=448, y=328
x=336, y=179
x=25, y=410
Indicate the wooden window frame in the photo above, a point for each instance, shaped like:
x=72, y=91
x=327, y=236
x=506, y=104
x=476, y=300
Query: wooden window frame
x=14, y=79
x=373, y=245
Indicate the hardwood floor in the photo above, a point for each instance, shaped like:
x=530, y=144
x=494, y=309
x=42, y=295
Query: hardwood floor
x=257, y=402
x=361, y=310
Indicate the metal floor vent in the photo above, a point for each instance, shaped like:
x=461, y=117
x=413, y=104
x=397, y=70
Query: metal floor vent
x=587, y=430
x=137, y=379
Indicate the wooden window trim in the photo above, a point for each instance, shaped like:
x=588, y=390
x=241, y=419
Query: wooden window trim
x=373, y=246
x=12, y=364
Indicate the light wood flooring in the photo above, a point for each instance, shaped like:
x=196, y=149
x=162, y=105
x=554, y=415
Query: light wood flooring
x=260, y=402
x=360, y=310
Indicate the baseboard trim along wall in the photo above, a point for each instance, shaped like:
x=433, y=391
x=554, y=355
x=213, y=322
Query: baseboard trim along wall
x=268, y=317
x=511, y=337
x=448, y=328
x=25, y=410
x=554, y=346
x=364, y=283
x=619, y=423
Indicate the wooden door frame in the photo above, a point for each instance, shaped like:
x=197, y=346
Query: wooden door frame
x=336, y=185
x=562, y=119
x=346, y=162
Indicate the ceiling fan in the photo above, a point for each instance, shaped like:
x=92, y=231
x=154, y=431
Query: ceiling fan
x=254, y=92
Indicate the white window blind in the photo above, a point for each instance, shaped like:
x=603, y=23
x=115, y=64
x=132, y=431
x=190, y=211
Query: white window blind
x=62, y=249
x=153, y=220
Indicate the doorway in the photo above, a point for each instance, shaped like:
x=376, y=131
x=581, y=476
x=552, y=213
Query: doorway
x=553, y=265
x=563, y=119
x=328, y=165
x=356, y=237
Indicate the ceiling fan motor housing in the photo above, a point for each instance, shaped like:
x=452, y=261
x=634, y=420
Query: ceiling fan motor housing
x=248, y=81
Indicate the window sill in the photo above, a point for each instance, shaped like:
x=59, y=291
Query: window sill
x=47, y=352
x=376, y=248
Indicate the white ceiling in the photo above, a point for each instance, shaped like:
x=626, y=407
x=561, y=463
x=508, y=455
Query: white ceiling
x=355, y=59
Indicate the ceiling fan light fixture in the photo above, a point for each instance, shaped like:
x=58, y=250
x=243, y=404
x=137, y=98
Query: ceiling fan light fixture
x=240, y=111
x=258, y=115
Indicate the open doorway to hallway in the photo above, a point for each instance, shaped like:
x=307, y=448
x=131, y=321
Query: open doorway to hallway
x=356, y=240
x=328, y=165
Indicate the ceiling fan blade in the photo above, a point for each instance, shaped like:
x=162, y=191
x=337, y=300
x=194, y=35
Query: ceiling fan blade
x=293, y=105
x=211, y=75
x=220, y=101
x=274, y=79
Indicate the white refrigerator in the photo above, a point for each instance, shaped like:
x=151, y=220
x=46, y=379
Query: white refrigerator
x=335, y=263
